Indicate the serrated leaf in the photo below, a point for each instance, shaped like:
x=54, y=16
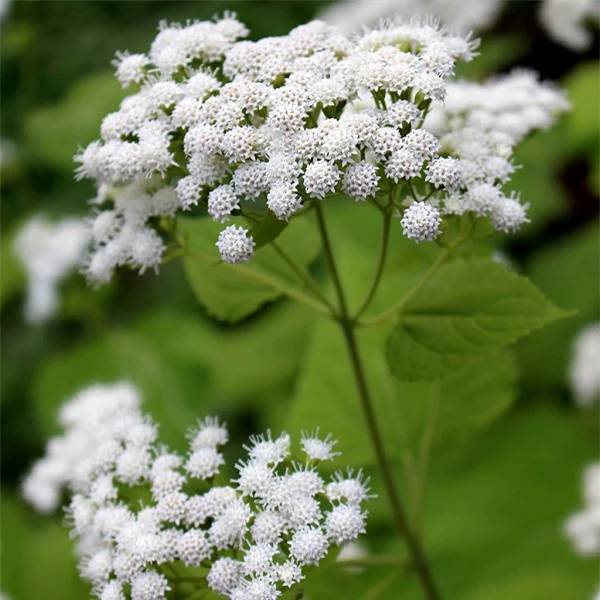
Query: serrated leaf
x=326, y=397
x=467, y=309
x=233, y=292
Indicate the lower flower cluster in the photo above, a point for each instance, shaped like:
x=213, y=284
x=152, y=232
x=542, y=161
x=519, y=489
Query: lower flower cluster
x=141, y=512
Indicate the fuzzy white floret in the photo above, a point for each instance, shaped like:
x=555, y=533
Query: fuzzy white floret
x=224, y=575
x=149, y=586
x=317, y=448
x=308, y=545
x=344, y=523
x=222, y=201
x=235, y=245
x=421, y=222
x=204, y=463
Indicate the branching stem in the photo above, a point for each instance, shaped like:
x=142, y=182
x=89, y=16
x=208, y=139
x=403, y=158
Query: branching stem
x=383, y=252
x=303, y=276
x=348, y=329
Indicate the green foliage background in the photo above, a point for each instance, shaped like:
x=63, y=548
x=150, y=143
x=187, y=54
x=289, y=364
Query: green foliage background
x=495, y=500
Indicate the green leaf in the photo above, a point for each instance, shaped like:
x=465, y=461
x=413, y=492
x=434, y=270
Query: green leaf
x=265, y=227
x=326, y=397
x=496, y=507
x=466, y=309
x=172, y=394
x=37, y=556
x=12, y=274
x=233, y=292
x=583, y=90
x=54, y=133
x=243, y=363
x=567, y=271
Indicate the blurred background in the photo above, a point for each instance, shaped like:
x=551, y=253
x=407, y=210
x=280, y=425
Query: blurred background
x=57, y=85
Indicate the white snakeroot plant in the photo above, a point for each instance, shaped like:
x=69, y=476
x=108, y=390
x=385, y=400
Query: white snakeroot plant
x=137, y=509
x=286, y=122
x=48, y=252
x=260, y=137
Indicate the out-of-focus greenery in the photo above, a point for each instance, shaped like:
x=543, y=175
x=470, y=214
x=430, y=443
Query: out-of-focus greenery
x=495, y=502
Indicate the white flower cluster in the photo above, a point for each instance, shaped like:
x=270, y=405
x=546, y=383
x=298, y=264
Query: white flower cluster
x=286, y=119
x=255, y=535
x=474, y=15
x=480, y=124
x=584, y=370
x=583, y=528
x=565, y=21
x=48, y=252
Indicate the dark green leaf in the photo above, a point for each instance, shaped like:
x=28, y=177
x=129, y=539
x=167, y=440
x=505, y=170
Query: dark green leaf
x=265, y=227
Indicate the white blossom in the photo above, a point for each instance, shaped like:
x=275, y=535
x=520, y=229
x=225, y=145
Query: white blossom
x=220, y=122
x=276, y=514
x=421, y=222
x=584, y=370
x=235, y=245
x=583, y=527
x=48, y=252
x=565, y=21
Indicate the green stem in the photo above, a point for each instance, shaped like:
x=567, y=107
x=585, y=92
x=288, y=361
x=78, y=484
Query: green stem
x=398, y=306
x=418, y=557
x=381, y=587
x=373, y=561
x=383, y=251
x=303, y=276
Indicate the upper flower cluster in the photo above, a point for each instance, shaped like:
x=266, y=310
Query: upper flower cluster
x=284, y=121
x=137, y=507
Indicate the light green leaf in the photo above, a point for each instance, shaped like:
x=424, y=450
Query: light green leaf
x=326, y=394
x=243, y=363
x=172, y=394
x=12, y=274
x=326, y=397
x=495, y=509
x=567, y=271
x=232, y=292
x=37, y=556
x=583, y=90
x=54, y=133
x=466, y=309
